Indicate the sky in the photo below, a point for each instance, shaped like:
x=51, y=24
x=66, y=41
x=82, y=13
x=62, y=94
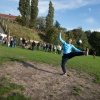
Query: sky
x=71, y=14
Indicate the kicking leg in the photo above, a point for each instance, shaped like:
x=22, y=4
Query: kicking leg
x=73, y=54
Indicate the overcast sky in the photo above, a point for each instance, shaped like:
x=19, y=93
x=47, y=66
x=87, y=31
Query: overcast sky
x=70, y=14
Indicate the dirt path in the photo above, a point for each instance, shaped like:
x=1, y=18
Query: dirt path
x=44, y=82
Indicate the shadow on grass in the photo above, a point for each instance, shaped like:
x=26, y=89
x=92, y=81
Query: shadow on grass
x=26, y=64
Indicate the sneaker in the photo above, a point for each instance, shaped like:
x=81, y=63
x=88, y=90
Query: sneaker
x=65, y=74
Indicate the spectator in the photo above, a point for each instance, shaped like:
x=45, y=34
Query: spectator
x=14, y=41
x=94, y=54
x=55, y=49
x=33, y=45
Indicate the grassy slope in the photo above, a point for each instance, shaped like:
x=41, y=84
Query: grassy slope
x=22, y=32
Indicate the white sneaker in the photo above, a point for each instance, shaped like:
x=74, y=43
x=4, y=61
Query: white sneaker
x=65, y=74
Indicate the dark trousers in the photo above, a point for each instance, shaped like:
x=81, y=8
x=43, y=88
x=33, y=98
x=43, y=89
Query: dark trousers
x=68, y=56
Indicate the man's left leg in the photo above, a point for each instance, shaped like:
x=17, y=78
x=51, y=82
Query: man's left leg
x=73, y=54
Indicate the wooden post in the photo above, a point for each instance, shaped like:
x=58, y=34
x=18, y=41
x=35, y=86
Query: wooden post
x=9, y=33
x=6, y=27
x=3, y=22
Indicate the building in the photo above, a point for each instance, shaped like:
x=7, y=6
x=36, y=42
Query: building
x=8, y=17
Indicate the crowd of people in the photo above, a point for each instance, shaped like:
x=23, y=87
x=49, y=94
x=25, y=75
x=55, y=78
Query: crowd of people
x=13, y=41
x=9, y=41
x=47, y=47
x=27, y=44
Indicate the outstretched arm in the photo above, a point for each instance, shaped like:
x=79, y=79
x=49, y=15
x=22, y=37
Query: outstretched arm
x=75, y=49
x=61, y=40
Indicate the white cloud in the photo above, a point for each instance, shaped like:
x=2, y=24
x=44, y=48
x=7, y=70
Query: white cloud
x=43, y=7
x=90, y=20
x=90, y=9
x=61, y=5
x=64, y=4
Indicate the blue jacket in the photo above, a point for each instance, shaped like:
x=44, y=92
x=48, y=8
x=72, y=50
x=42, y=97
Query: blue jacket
x=67, y=48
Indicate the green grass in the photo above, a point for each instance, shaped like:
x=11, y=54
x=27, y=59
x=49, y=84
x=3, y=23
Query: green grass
x=81, y=63
x=7, y=88
x=15, y=96
x=8, y=91
x=18, y=54
x=76, y=90
x=87, y=64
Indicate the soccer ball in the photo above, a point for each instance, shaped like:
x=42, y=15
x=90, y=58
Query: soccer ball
x=79, y=41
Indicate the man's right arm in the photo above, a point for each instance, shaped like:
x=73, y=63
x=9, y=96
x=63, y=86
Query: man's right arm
x=61, y=40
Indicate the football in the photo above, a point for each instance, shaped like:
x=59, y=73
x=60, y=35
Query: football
x=79, y=41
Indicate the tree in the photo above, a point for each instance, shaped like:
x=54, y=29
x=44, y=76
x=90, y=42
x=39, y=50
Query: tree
x=63, y=29
x=69, y=34
x=20, y=20
x=24, y=8
x=88, y=33
x=94, y=41
x=27, y=8
x=27, y=11
x=21, y=7
x=50, y=16
x=41, y=21
x=34, y=13
x=52, y=35
x=57, y=24
x=80, y=35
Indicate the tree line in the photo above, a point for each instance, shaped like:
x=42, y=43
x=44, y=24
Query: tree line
x=29, y=14
x=29, y=17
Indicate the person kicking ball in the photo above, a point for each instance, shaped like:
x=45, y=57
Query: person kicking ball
x=68, y=47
